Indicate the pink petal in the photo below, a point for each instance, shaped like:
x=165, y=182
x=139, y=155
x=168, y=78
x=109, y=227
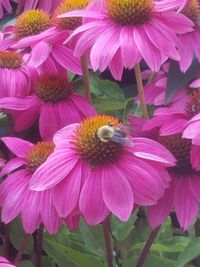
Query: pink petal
x=159, y=212
x=31, y=218
x=40, y=52
x=91, y=201
x=194, y=184
x=50, y=218
x=185, y=203
x=18, y=146
x=83, y=105
x=107, y=41
x=194, y=157
x=12, y=165
x=12, y=194
x=83, y=13
x=117, y=192
x=55, y=169
x=152, y=150
x=66, y=193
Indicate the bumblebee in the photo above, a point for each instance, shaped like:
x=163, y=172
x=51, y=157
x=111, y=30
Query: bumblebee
x=108, y=133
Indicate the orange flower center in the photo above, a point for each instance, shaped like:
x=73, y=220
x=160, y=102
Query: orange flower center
x=32, y=22
x=39, y=154
x=192, y=10
x=52, y=88
x=10, y=60
x=193, y=104
x=69, y=5
x=180, y=148
x=130, y=12
x=99, y=139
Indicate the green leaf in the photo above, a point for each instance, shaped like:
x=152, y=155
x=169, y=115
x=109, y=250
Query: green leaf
x=26, y=264
x=151, y=261
x=189, y=253
x=106, y=105
x=17, y=234
x=66, y=256
x=91, y=242
x=106, y=89
x=121, y=230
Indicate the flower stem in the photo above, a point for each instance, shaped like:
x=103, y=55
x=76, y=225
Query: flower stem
x=106, y=231
x=141, y=91
x=6, y=241
x=21, y=249
x=197, y=233
x=39, y=246
x=147, y=247
x=86, y=81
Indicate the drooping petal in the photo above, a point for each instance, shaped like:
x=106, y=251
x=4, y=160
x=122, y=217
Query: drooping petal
x=91, y=201
x=40, y=52
x=117, y=192
x=12, y=165
x=185, y=203
x=18, y=146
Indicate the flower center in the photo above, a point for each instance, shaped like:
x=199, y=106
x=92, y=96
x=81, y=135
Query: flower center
x=52, y=88
x=99, y=139
x=10, y=60
x=130, y=12
x=69, y=5
x=192, y=10
x=39, y=154
x=193, y=104
x=32, y=22
x=180, y=148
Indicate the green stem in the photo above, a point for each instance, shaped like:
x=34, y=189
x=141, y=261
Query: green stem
x=140, y=87
x=21, y=249
x=39, y=246
x=6, y=240
x=108, y=246
x=147, y=247
x=86, y=81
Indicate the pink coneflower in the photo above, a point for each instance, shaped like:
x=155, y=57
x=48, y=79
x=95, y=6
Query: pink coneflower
x=174, y=118
x=98, y=165
x=33, y=29
x=15, y=75
x=16, y=198
x=192, y=127
x=48, y=6
x=183, y=193
x=121, y=33
x=53, y=102
x=155, y=90
x=5, y=4
x=5, y=263
x=189, y=42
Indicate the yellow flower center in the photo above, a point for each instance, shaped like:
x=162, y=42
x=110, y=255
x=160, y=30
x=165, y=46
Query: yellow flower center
x=192, y=10
x=180, y=148
x=130, y=12
x=39, y=154
x=69, y=5
x=32, y=22
x=10, y=60
x=52, y=88
x=95, y=139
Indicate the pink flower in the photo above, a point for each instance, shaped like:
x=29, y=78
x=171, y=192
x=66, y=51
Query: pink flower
x=183, y=194
x=5, y=263
x=16, y=198
x=15, y=75
x=155, y=91
x=99, y=167
x=33, y=29
x=53, y=102
x=120, y=35
x=189, y=42
x=48, y=6
x=5, y=4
